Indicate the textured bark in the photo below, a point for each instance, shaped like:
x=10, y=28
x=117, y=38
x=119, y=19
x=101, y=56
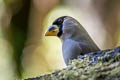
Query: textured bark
x=101, y=65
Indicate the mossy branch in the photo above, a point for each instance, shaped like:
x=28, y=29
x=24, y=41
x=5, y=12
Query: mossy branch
x=101, y=65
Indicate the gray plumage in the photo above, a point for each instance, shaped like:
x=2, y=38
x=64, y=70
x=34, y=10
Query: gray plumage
x=75, y=40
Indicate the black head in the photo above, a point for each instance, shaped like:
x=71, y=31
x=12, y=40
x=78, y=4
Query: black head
x=56, y=29
x=59, y=23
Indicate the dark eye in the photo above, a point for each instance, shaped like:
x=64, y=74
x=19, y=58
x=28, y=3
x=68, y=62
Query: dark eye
x=60, y=21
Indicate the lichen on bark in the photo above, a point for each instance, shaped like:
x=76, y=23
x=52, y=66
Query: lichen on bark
x=92, y=66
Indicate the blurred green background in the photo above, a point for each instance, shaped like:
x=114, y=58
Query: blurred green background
x=24, y=50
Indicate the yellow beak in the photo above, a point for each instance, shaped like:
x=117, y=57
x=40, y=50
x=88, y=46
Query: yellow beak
x=52, y=31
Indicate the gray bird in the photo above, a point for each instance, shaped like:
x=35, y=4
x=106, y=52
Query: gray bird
x=75, y=39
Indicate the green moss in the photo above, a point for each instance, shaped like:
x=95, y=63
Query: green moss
x=86, y=69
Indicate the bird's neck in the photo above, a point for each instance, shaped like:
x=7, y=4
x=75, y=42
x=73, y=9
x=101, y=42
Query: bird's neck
x=65, y=36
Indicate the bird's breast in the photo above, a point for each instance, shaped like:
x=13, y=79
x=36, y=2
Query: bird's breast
x=70, y=49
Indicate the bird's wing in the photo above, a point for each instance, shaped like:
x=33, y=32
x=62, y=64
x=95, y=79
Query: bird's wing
x=88, y=47
x=72, y=49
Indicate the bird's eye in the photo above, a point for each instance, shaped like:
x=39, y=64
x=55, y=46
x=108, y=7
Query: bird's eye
x=60, y=21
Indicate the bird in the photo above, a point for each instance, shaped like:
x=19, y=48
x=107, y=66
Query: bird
x=75, y=39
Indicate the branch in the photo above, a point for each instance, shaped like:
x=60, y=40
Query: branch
x=101, y=65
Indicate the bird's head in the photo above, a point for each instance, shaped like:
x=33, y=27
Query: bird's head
x=63, y=26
